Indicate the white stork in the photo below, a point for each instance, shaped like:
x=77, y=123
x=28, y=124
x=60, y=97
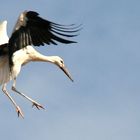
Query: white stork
x=16, y=51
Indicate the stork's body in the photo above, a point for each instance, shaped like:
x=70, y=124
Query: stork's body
x=17, y=51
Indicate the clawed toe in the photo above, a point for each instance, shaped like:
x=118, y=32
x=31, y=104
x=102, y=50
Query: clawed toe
x=19, y=112
x=38, y=106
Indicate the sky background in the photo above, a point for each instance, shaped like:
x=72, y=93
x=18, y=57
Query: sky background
x=103, y=103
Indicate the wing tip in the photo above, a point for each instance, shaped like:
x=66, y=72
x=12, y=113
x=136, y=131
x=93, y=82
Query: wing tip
x=68, y=31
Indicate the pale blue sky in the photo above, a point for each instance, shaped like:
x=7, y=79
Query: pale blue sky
x=104, y=101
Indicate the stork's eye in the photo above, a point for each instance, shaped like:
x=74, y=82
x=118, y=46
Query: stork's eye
x=61, y=61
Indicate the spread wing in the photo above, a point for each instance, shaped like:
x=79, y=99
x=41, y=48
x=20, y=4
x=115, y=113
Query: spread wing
x=31, y=29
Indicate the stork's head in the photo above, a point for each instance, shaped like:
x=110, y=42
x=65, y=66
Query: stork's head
x=60, y=63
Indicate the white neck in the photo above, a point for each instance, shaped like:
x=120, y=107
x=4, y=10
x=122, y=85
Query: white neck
x=33, y=55
x=36, y=56
x=44, y=58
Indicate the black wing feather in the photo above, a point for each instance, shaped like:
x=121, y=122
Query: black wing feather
x=38, y=31
x=4, y=49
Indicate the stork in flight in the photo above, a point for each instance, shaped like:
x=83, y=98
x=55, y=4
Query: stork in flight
x=16, y=51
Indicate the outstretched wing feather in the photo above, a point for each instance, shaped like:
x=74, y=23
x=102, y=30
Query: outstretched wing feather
x=34, y=30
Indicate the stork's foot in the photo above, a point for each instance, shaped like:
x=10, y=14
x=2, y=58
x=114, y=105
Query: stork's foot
x=37, y=105
x=19, y=112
